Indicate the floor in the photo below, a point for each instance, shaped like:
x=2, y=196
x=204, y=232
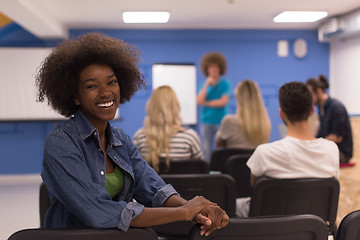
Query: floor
x=349, y=199
x=19, y=203
x=19, y=195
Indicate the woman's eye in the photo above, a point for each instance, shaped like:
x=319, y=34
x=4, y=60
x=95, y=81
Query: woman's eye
x=91, y=86
x=113, y=82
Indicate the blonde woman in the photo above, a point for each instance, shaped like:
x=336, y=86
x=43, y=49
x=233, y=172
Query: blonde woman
x=250, y=126
x=162, y=136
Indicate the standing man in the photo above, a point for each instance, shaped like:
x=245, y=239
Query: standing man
x=213, y=97
x=334, y=119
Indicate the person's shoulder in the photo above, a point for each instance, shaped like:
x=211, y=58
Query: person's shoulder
x=188, y=132
x=260, y=154
x=336, y=103
x=327, y=143
x=229, y=120
x=67, y=127
x=224, y=81
x=65, y=133
x=329, y=148
x=264, y=147
x=119, y=133
x=139, y=132
x=273, y=146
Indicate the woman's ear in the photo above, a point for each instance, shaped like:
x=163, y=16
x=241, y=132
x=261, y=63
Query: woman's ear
x=76, y=101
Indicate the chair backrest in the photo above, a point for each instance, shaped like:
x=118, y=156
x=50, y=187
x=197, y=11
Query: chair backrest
x=188, y=167
x=236, y=167
x=297, y=227
x=349, y=228
x=218, y=188
x=44, y=203
x=318, y=196
x=219, y=157
x=84, y=234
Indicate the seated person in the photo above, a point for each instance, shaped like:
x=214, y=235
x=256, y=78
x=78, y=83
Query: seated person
x=299, y=154
x=91, y=169
x=162, y=136
x=251, y=125
x=334, y=119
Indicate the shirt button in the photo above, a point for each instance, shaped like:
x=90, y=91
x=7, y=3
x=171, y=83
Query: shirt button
x=99, y=149
x=95, y=133
x=102, y=172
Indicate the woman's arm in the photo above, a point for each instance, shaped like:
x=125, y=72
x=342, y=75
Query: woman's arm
x=199, y=209
x=221, y=143
x=217, y=103
x=175, y=209
x=335, y=138
x=201, y=97
x=253, y=179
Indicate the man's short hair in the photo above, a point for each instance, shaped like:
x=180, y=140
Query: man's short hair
x=296, y=101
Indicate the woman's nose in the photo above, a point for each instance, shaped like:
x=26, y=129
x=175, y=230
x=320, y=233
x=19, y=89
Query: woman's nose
x=104, y=91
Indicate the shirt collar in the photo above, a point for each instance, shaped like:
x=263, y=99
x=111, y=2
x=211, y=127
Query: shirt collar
x=86, y=129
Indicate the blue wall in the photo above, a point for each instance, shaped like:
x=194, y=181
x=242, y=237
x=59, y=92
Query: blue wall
x=250, y=54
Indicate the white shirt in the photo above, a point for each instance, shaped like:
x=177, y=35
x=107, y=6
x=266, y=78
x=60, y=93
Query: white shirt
x=294, y=158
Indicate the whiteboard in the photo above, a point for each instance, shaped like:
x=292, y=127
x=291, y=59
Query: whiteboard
x=18, y=92
x=182, y=79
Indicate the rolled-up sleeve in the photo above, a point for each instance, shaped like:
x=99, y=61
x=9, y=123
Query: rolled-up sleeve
x=134, y=209
x=163, y=194
x=131, y=211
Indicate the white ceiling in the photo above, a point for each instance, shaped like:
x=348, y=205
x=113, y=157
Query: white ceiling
x=53, y=18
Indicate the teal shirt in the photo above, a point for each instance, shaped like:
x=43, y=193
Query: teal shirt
x=210, y=115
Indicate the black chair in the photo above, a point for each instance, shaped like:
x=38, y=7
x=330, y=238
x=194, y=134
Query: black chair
x=236, y=167
x=44, y=203
x=84, y=234
x=297, y=227
x=318, y=196
x=349, y=228
x=218, y=188
x=192, y=166
x=219, y=157
x=77, y=234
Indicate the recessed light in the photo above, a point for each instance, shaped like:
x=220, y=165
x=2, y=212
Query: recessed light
x=300, y=16
x=146, y=17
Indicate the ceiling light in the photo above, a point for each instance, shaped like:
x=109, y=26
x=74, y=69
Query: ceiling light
x=146, y=17
x=300, y=16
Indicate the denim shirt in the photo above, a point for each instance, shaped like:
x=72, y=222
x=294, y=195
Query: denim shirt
x=74, y=173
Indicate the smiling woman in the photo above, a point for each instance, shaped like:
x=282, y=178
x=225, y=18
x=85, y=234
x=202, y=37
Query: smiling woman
x=99, y=94
x=91, y=169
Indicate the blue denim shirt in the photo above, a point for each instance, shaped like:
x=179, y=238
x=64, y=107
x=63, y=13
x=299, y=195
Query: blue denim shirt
x=74, y=173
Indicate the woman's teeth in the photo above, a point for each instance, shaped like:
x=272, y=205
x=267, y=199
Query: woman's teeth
x=105, y=105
